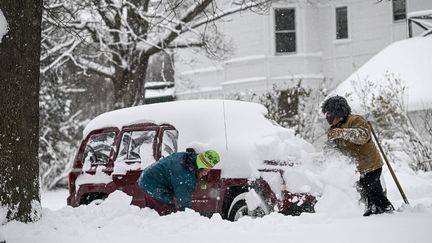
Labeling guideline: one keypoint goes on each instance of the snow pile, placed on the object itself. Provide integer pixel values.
(4, 28)
(337, 183)
(332, 180)
(337, 219)
(410, 60)
(253, 200)
(238, 130)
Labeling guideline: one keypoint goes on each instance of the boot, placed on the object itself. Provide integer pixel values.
(370, 209)
(389, 209)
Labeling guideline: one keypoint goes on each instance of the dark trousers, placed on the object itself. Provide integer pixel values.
(160, 207)
(372, 191)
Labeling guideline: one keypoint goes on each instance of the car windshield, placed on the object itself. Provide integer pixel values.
(98, 148)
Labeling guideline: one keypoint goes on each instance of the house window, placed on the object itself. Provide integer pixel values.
(341, 23)
(399, 10)
(285, 32)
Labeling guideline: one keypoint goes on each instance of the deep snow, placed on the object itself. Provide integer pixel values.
(338, 218)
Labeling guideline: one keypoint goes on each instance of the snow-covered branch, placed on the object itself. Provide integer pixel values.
(65, 54)
(96, 67)
(56, 49)
(190, 14)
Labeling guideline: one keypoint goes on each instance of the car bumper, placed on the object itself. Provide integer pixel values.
(296, 203)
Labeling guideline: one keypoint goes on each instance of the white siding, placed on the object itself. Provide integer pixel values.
(255, 65)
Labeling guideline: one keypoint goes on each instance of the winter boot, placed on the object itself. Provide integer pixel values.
(385, 209)
(370, 209)
(389, 209)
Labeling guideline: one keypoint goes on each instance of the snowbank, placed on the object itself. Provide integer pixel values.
(338, 218)
(410, 60)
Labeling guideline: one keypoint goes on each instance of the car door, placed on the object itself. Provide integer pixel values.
(207, 197)
(136, 151)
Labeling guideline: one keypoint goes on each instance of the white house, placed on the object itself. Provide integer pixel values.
(311, 40)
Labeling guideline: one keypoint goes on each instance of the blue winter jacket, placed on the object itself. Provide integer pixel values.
(171, 176)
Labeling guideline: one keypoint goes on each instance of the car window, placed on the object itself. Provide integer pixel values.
(169, 142)
(137, 146)
(98, 148)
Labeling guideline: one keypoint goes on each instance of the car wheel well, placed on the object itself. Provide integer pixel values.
(230, 194)
(87, 198)
(240, 209)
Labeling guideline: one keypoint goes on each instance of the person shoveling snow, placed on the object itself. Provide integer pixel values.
(352, 135)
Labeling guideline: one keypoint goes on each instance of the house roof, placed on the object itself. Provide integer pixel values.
(410, 60)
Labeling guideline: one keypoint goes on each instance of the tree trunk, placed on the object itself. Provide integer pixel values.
(129, 85)
(19, 118)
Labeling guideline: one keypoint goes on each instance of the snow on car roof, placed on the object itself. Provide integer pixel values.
(409, 59)
(238, 130)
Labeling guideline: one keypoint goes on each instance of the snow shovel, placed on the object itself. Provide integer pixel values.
(388, 165)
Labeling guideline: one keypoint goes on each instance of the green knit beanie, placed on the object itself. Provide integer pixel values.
(207, 159)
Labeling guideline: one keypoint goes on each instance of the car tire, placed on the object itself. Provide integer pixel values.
(240, 209)
(93, 198)
(97, 201)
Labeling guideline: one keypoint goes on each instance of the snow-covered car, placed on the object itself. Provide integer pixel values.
(249, 180)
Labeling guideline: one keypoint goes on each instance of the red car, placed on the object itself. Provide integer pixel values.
(112, 158)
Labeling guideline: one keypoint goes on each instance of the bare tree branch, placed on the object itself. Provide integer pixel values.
(190, 15)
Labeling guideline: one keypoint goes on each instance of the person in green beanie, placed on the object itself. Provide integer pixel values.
(168, 184)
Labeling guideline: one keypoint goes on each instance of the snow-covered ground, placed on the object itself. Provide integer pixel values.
(338, 218)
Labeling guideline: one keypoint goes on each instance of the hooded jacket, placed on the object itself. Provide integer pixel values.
(172, 176)
(357, 143)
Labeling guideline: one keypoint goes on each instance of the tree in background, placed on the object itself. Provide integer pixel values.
(19, 89)
(389, 114)
(60, 128)
(98, 54)
(115, 38)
